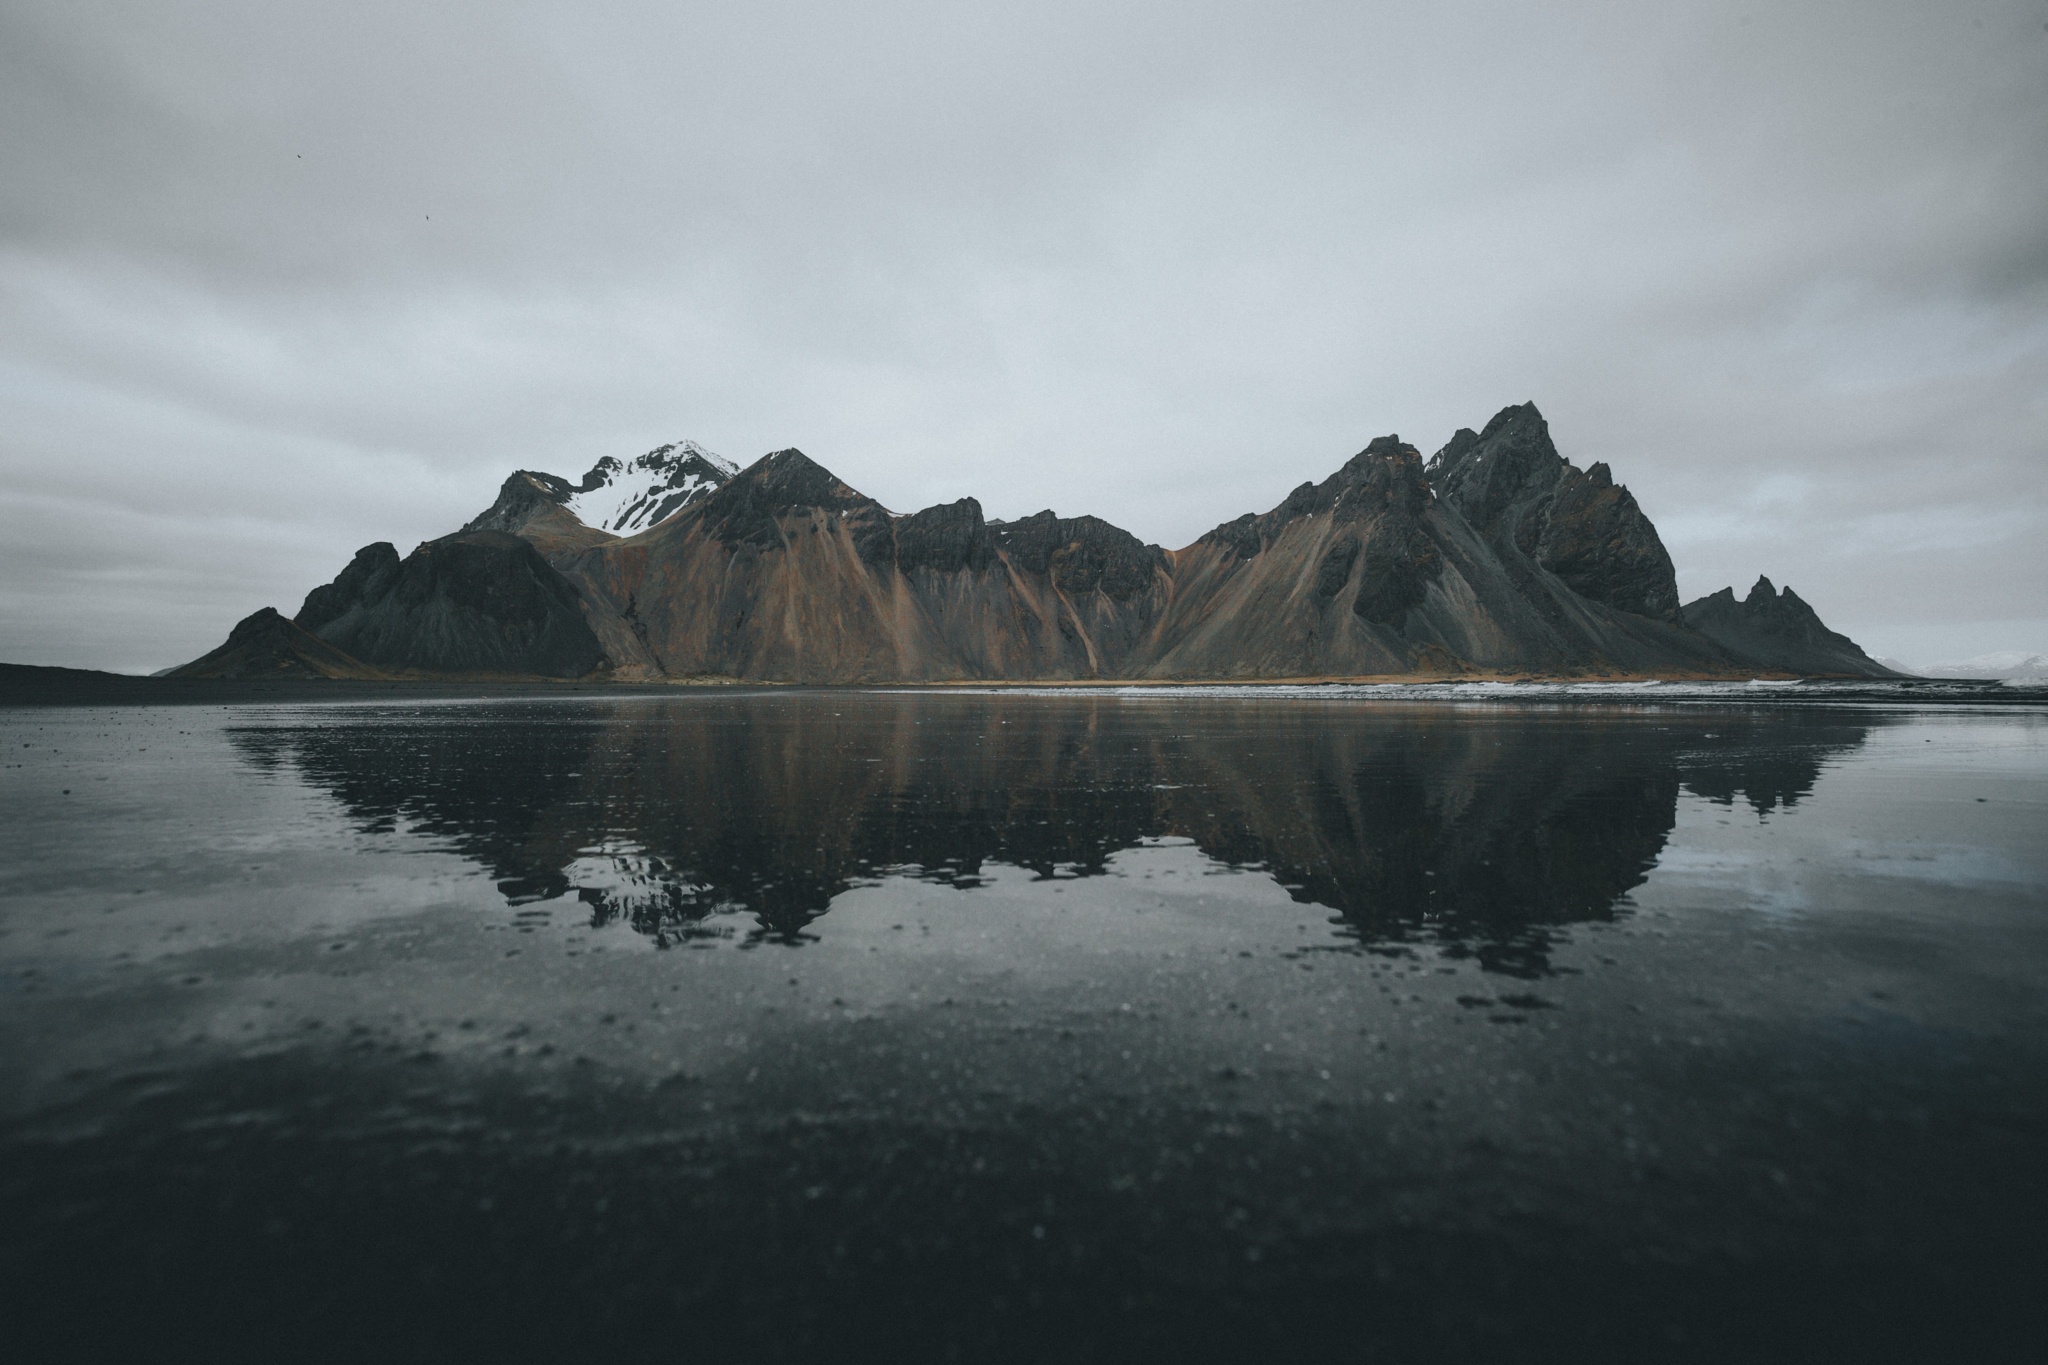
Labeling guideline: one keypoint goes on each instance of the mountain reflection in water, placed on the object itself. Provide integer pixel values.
(1480, 830)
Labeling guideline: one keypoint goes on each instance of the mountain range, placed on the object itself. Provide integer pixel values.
(2020, 667)
(1496, 556)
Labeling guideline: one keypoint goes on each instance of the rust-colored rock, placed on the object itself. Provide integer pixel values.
(1497, 555)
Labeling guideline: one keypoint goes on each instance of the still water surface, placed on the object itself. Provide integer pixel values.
(834, 1024)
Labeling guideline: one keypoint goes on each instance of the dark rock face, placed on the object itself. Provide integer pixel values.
(522, 495)
(368, 577)
(947, 538)
(1780, 631)
(750, 510)
(1240, 537)
(1336, 567)
(267, 645)
(1599, 542)
(535, 507)
(474, 602)
(1081, 554)
(1534, 507)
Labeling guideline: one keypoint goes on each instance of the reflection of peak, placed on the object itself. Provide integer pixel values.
(1773, 763)
(1484, 839)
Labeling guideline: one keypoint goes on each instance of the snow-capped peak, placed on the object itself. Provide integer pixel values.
(627, 497)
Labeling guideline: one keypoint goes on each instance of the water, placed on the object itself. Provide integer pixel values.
(833, 1025)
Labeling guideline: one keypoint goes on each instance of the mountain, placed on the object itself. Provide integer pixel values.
(2008, 665)
(267, 645)
(1780, 631)
(625, 499)
(613, 499)
(1495, 556)
(785, 572)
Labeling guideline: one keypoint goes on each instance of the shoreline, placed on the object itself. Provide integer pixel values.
(36, 685)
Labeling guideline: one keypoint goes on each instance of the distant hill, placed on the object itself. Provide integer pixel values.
(1496, 556)
(2012, 665)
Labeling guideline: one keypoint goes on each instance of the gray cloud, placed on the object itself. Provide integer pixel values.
(278, 280)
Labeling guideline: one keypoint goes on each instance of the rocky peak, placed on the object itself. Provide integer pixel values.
(628, 497)
(1385, 476)
(1080, 554)
(525, 494)
(1488, 475)
(1779, 629)
(266, 644)
(1511, 485)
(1387, 473)
(945, 538)
(620, 497)
(368, 576)
(747, 508)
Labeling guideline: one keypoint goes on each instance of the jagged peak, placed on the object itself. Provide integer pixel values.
(630, 496)
(793, 479)
(1760, 591)
(969, 506)
(256, 623)
(1516, 417)
(1380, 450)
(620, 497)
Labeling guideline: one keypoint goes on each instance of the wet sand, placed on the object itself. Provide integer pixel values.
(824, 1025)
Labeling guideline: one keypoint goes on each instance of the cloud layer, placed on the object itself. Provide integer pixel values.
(278, 280)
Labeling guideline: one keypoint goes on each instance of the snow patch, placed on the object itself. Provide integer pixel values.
(627, 497)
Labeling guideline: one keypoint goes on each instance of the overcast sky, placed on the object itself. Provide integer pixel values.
(278, 280)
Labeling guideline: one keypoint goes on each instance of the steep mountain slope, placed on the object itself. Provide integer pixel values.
(1497, 555)
(1781, 631)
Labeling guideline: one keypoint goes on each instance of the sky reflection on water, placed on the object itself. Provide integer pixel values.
(1026, 1027)
(1481, 831)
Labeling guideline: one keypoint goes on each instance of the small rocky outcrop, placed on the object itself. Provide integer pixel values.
(1778, 630)
(947, 538)
(1081, 554)
(266, 644)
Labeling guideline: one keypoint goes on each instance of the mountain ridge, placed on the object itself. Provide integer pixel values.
(1495, 556)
